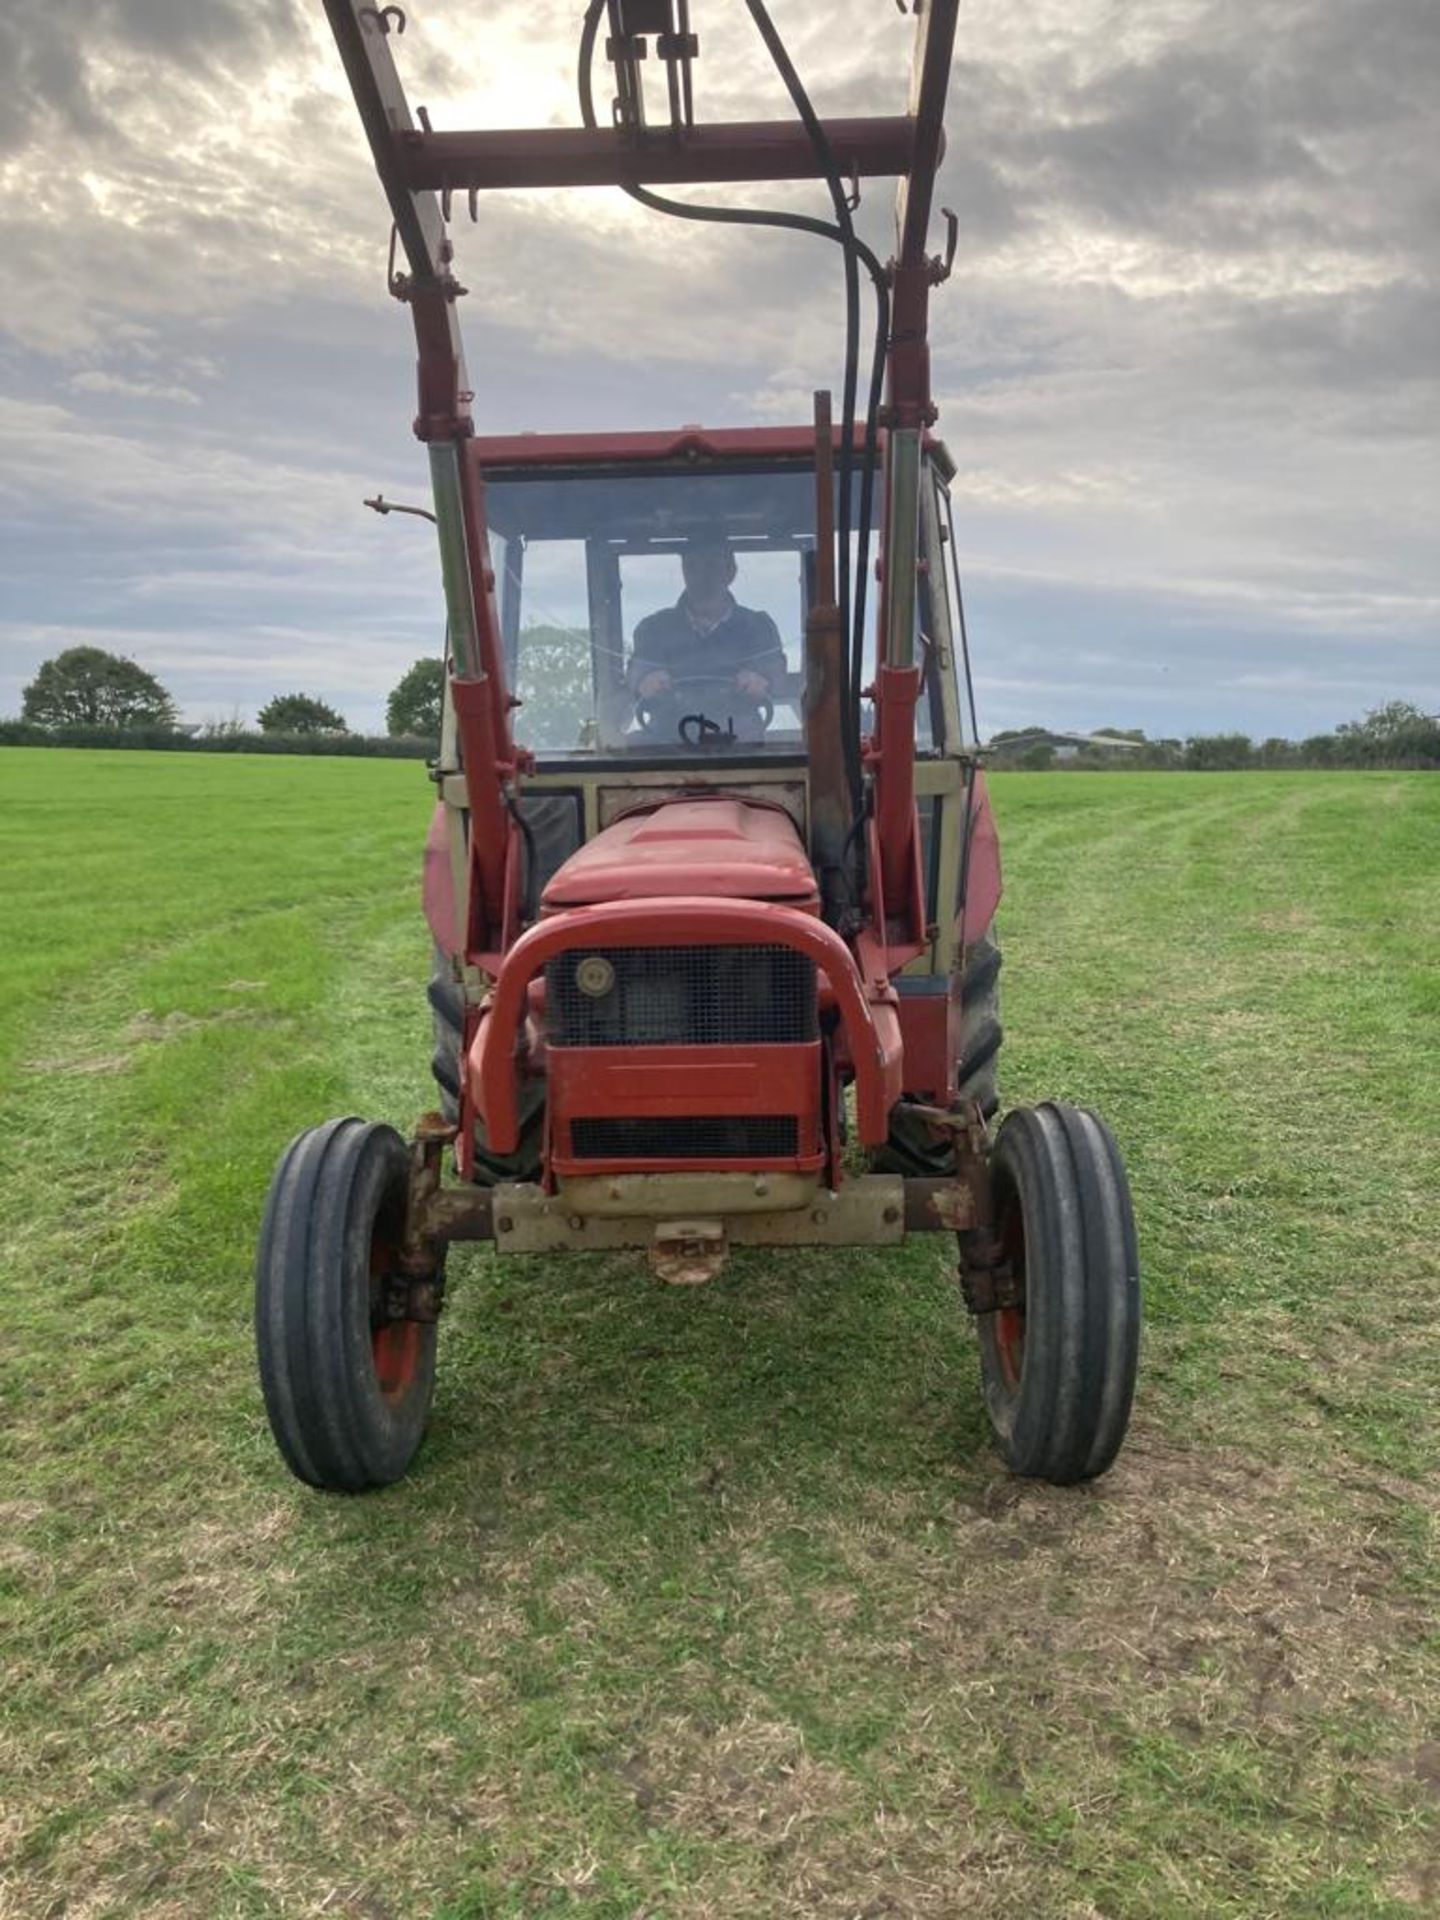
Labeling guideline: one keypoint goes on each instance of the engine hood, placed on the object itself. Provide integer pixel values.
(721, 848)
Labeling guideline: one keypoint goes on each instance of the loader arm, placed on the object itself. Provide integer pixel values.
(421, 170)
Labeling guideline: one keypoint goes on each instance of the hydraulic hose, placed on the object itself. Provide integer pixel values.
(854, 250)
(844, 235)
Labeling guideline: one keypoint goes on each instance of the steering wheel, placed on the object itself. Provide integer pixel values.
(703, 712)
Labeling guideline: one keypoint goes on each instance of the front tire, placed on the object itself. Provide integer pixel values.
(347, 1389)
(1058, 1369)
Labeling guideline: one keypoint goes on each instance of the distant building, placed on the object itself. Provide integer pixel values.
(1064, 746)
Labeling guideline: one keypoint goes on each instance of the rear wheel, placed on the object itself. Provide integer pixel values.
(347, 1388)
(916, 1148)
(447, 1015)
(980, 1029)
(1058, 1367)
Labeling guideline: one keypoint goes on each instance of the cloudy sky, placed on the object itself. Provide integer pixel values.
(1189, 362)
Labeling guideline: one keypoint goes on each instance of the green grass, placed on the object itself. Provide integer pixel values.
(705, 1603)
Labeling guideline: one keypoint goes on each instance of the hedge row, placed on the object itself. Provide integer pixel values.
(21, 733)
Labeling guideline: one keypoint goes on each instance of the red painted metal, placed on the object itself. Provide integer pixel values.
(910, 408)
(750, 150)
(897, 824)
(718, 847)
(1010, 1344)
(914, 271)
(437, 890)
(691, 442)
(487, 615)
(928, 1036)
(442, 385)
(873, 963)
(983, 883)
(492, 832)
(395, 1351)
(665, 1082)
(872, 1033)
(429, 288)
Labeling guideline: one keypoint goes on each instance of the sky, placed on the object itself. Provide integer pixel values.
(1188, 363)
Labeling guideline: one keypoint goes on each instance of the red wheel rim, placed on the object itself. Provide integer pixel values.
(1010, 1343)
(395, 1345)
(395, 1348)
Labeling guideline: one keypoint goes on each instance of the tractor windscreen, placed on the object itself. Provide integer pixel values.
(655, 611)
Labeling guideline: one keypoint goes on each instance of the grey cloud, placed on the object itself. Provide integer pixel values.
(133, 389)
(1383, 337)
(1312, 123)
(1145, 139)
(1186, 361)
(52, 51)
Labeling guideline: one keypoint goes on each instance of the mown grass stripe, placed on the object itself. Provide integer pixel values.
(718, 1603)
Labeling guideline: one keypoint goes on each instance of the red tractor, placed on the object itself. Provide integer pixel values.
(713, 876)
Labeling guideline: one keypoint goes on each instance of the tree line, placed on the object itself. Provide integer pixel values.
(87, 695)
(1398, 734)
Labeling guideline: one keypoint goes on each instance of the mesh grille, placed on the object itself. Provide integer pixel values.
(751, 1136)
(684, 996)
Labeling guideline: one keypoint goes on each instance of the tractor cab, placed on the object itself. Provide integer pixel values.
(588, 537)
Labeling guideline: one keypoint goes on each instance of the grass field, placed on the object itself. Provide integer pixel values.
(714, 1602)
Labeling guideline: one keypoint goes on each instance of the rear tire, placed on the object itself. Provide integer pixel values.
(347, 1389)
(980, 1029)
(1058, 1371)
(915, 1148)
(447, 1015)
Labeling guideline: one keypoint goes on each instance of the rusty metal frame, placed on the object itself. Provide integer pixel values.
(637, 1211)
(416, 163)
(739, 150)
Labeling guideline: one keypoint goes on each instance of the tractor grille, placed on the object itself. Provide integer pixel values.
(749, 1136)
(681, 997)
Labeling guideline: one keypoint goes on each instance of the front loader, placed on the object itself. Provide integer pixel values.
(715, 955)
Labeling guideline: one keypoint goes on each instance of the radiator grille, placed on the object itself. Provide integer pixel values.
(750, 1136)
(683, 996)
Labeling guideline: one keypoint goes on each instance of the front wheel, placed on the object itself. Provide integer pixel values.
(347, 1387)
(1058, 1366)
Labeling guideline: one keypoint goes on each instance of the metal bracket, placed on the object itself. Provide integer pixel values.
(404, 287)
(965, 1122)
(687, 1253)
(410, 1299)
(938, 266)
(434, 1216)
(987, 1280)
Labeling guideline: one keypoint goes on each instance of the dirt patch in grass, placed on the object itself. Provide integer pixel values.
(82, 1063)
(147, 1026)
(145, 1029)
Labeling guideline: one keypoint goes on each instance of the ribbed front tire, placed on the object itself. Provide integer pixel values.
(1058, 1370)
(347, 1389)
